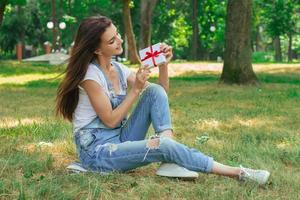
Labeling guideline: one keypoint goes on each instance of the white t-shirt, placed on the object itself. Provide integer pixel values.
(84, 112)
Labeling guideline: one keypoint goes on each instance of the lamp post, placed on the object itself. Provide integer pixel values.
(53, 24)
(56, 35)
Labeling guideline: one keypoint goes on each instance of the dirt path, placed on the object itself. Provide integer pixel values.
(176, 69)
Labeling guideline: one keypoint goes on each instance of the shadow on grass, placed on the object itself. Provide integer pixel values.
(280, 78)
(15, 68)
(44, 130)
(196, 76)
(43, 83)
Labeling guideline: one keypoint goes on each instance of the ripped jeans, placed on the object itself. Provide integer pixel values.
(125, 148)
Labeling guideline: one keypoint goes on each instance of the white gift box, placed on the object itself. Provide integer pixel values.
(152, 56)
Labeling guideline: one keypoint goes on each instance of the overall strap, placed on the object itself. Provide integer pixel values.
(109, 84)
(121, 76)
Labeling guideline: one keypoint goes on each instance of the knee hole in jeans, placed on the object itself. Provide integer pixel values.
(152, 143)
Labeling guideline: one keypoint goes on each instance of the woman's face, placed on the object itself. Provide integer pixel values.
(111, 42)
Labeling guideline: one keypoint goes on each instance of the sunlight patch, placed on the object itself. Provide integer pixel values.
(13, 122)
(277, 68)
(23, 79)
(62, 152)
(284, 145)
(217, 144)
(207, 123)
(255, 122)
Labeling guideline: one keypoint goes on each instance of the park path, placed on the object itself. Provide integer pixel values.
(176, 69)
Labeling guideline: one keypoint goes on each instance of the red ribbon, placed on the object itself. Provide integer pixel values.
(152, 55)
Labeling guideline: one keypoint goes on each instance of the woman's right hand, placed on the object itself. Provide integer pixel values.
(141, 78)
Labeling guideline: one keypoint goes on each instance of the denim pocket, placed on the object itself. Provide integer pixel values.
(86, 138)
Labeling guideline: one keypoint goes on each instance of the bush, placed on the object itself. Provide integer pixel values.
(262, 57)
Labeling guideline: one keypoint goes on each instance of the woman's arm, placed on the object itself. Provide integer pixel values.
(101, 103)
(163, 77)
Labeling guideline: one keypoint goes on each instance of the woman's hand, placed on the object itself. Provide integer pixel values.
(141, 78)
(167, 51)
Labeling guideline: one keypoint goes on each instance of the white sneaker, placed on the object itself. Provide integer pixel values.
(174, 170)
(259, 176)
(76, 168)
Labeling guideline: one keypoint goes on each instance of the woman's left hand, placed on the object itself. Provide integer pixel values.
(167, 51)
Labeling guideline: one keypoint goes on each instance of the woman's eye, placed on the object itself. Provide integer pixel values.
(112, 42)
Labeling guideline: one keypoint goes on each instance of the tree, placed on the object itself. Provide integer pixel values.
(279, 20)
(208, 28)
(172, 25)
(237, 66)
(132, 52)
(293, 9)
(13, 28)
(3, 4)
(195, 36)
(147, 7)
(257, 19)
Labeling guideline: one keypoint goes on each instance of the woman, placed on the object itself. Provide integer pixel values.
(93, 95)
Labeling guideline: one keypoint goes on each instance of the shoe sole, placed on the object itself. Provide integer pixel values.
(172, 176)
(186, 178)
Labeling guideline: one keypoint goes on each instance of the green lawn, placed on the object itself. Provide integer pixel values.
(257, 127)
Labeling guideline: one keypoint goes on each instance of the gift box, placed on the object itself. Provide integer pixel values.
(152, 56)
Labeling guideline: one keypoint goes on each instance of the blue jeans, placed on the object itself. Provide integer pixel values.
(125, 148)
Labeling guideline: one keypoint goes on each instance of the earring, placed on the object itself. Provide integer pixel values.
(98, 52)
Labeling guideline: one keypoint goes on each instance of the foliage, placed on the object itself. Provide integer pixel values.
(176, 29)
(25, 21)
(278, 16)
(212, 25)
(262, 57)
(13, 29)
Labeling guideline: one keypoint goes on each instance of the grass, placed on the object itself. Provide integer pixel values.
(253, 126)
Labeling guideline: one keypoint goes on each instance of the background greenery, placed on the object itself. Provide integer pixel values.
(25, 21)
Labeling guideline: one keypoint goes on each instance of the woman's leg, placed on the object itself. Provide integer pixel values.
(129, 155)
(153, 107)
(225, 170)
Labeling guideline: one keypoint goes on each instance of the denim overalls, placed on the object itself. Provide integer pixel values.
(115, 99)
(124, 148)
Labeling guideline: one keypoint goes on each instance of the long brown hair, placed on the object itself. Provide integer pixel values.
(87, 40)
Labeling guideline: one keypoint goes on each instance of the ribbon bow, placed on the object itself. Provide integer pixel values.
(152, 55)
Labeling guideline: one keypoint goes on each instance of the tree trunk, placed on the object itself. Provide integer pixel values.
(54, 29)
(69, 7)
(277, 47)
(290, 55)
(195, 36)
(2, 9)
(258, 40)
(237, 66)
(147, 7)
(132, 52)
